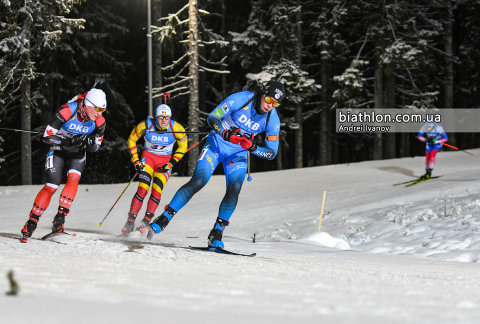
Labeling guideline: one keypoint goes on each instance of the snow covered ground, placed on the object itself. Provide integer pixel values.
(393, 254)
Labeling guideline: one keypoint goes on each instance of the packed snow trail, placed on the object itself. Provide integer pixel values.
(99, 278)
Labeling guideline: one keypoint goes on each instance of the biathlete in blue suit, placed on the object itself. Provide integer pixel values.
(234, 126)
(434, 135)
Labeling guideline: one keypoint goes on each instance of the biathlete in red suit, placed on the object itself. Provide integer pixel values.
(77, 127)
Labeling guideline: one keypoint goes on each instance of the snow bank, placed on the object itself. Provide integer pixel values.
(327, 240)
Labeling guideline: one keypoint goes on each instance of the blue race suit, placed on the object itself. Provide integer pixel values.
(230, 113)
(437, 133)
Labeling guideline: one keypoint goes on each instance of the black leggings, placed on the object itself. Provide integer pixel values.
(56, 161)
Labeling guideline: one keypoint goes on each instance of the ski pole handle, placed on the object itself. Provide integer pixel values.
(288, 68)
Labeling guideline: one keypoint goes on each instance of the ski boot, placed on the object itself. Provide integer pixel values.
(129, 225)
(427, 175)
(29, 227)
(215, 237)
(144, 223)
(160, 222)
(59, 220)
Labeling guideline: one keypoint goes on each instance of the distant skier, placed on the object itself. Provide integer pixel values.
(77, 127)
(434, 135)
(156, 162)
(234, 126)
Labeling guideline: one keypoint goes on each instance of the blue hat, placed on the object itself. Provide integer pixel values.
(429, 124)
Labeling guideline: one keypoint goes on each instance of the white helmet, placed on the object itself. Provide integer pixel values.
(97, 98)
(163, 110)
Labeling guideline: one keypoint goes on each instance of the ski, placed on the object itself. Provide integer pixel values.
(421, 180)
(217, 250)
(406, 182)
(52, 233)
(136, 233)
(415, 180)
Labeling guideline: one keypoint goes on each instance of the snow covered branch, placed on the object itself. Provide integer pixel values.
(170, 85)
(202, 68)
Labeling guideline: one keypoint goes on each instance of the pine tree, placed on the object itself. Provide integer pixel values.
(171, 35)
(96, 51)
(326, 49)
(270, 43)
(29, 28)
(397, 37)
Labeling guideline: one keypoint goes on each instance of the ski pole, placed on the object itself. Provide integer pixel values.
(197, 142)
(186, 132)
(97, 81)
(456, 148)
(248, 166)
(21, 130)
(100, 224)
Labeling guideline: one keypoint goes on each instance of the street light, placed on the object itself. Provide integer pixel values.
(149, 42)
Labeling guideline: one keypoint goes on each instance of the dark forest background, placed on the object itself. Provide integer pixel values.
(368, 54)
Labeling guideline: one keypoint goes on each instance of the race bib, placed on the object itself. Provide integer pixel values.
(49, 161)
(202, 155)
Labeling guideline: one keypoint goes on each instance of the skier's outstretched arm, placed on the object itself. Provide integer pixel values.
(50, 135)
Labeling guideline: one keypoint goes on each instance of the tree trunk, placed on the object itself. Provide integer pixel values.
(193, 84)
(157, 53)
(378, 99)
(202, 82)
(278, 158)
(323, 140)
(299, 108)
(389, 147)
(448, 88)
(26, 138)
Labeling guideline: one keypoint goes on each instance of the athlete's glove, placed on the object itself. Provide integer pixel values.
(89, 141)
(167, 167)
(232, 135)
(82, 141)
(77, 140)
(434, 141)
(248, 142)
(138, 166)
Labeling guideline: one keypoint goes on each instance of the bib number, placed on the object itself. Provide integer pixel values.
(202, 155)
(49, 161)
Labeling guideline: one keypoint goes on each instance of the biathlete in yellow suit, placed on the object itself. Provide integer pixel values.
(156, 161)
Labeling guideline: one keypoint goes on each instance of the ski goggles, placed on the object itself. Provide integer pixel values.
(272, 101)
(97, 109)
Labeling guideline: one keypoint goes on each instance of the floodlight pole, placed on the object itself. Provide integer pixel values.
(149, 41)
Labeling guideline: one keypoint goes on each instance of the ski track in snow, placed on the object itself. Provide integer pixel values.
(386, 253)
